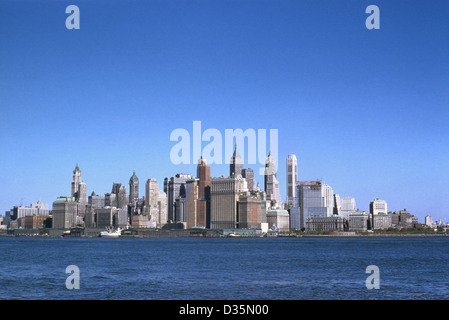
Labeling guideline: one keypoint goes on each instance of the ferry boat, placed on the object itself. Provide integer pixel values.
(110, 233)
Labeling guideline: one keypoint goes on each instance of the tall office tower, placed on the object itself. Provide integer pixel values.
(378, 206)
(204, 185)
(236, 164)
(337, 204)
(151, 193)
(174, 187)
(180, 209)
(122, 198)
(250, 210)
(65, 213)
(82, 193)
(76, 180)
(151, 199)
(248, 174)
(348, 205)
(155, 203)
(191, 204)
(224, 197)
(272, 183)
(162, 204)
(79, 188)
(292, 178)
(315, 199)
(133, 188)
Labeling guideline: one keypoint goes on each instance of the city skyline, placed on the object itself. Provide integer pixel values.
(340, 206)
(363, 110)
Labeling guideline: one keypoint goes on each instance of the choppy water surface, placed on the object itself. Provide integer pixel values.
(224, 268)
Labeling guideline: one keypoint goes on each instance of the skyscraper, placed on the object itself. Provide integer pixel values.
(272, 183)
(162, 204)
(174, 188)
(82, 193)
(79, 188)
(65, 213)
(121, 197)
(292, 177)
(204, 186)
(251, 210)
(76, 180)
(236, 164)
(314, 199)
(225, 194)
(155, 203)
(337, 204)
(151, 194)
(133, 188)
(191, 203)
(248, 174)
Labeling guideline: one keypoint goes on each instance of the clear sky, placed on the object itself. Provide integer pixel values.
(365, 110)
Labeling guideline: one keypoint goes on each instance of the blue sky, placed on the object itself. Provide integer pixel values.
(364, 110)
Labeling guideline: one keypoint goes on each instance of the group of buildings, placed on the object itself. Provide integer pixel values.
(233, 202)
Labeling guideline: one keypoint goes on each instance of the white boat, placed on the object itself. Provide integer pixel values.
(110, 233)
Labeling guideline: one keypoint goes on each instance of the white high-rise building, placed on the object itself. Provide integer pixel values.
(292, 177)
(314, 199)
(155, 203)
(378, 206)
(428, 221)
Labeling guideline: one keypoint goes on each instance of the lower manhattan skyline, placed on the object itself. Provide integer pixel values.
(363, 110)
